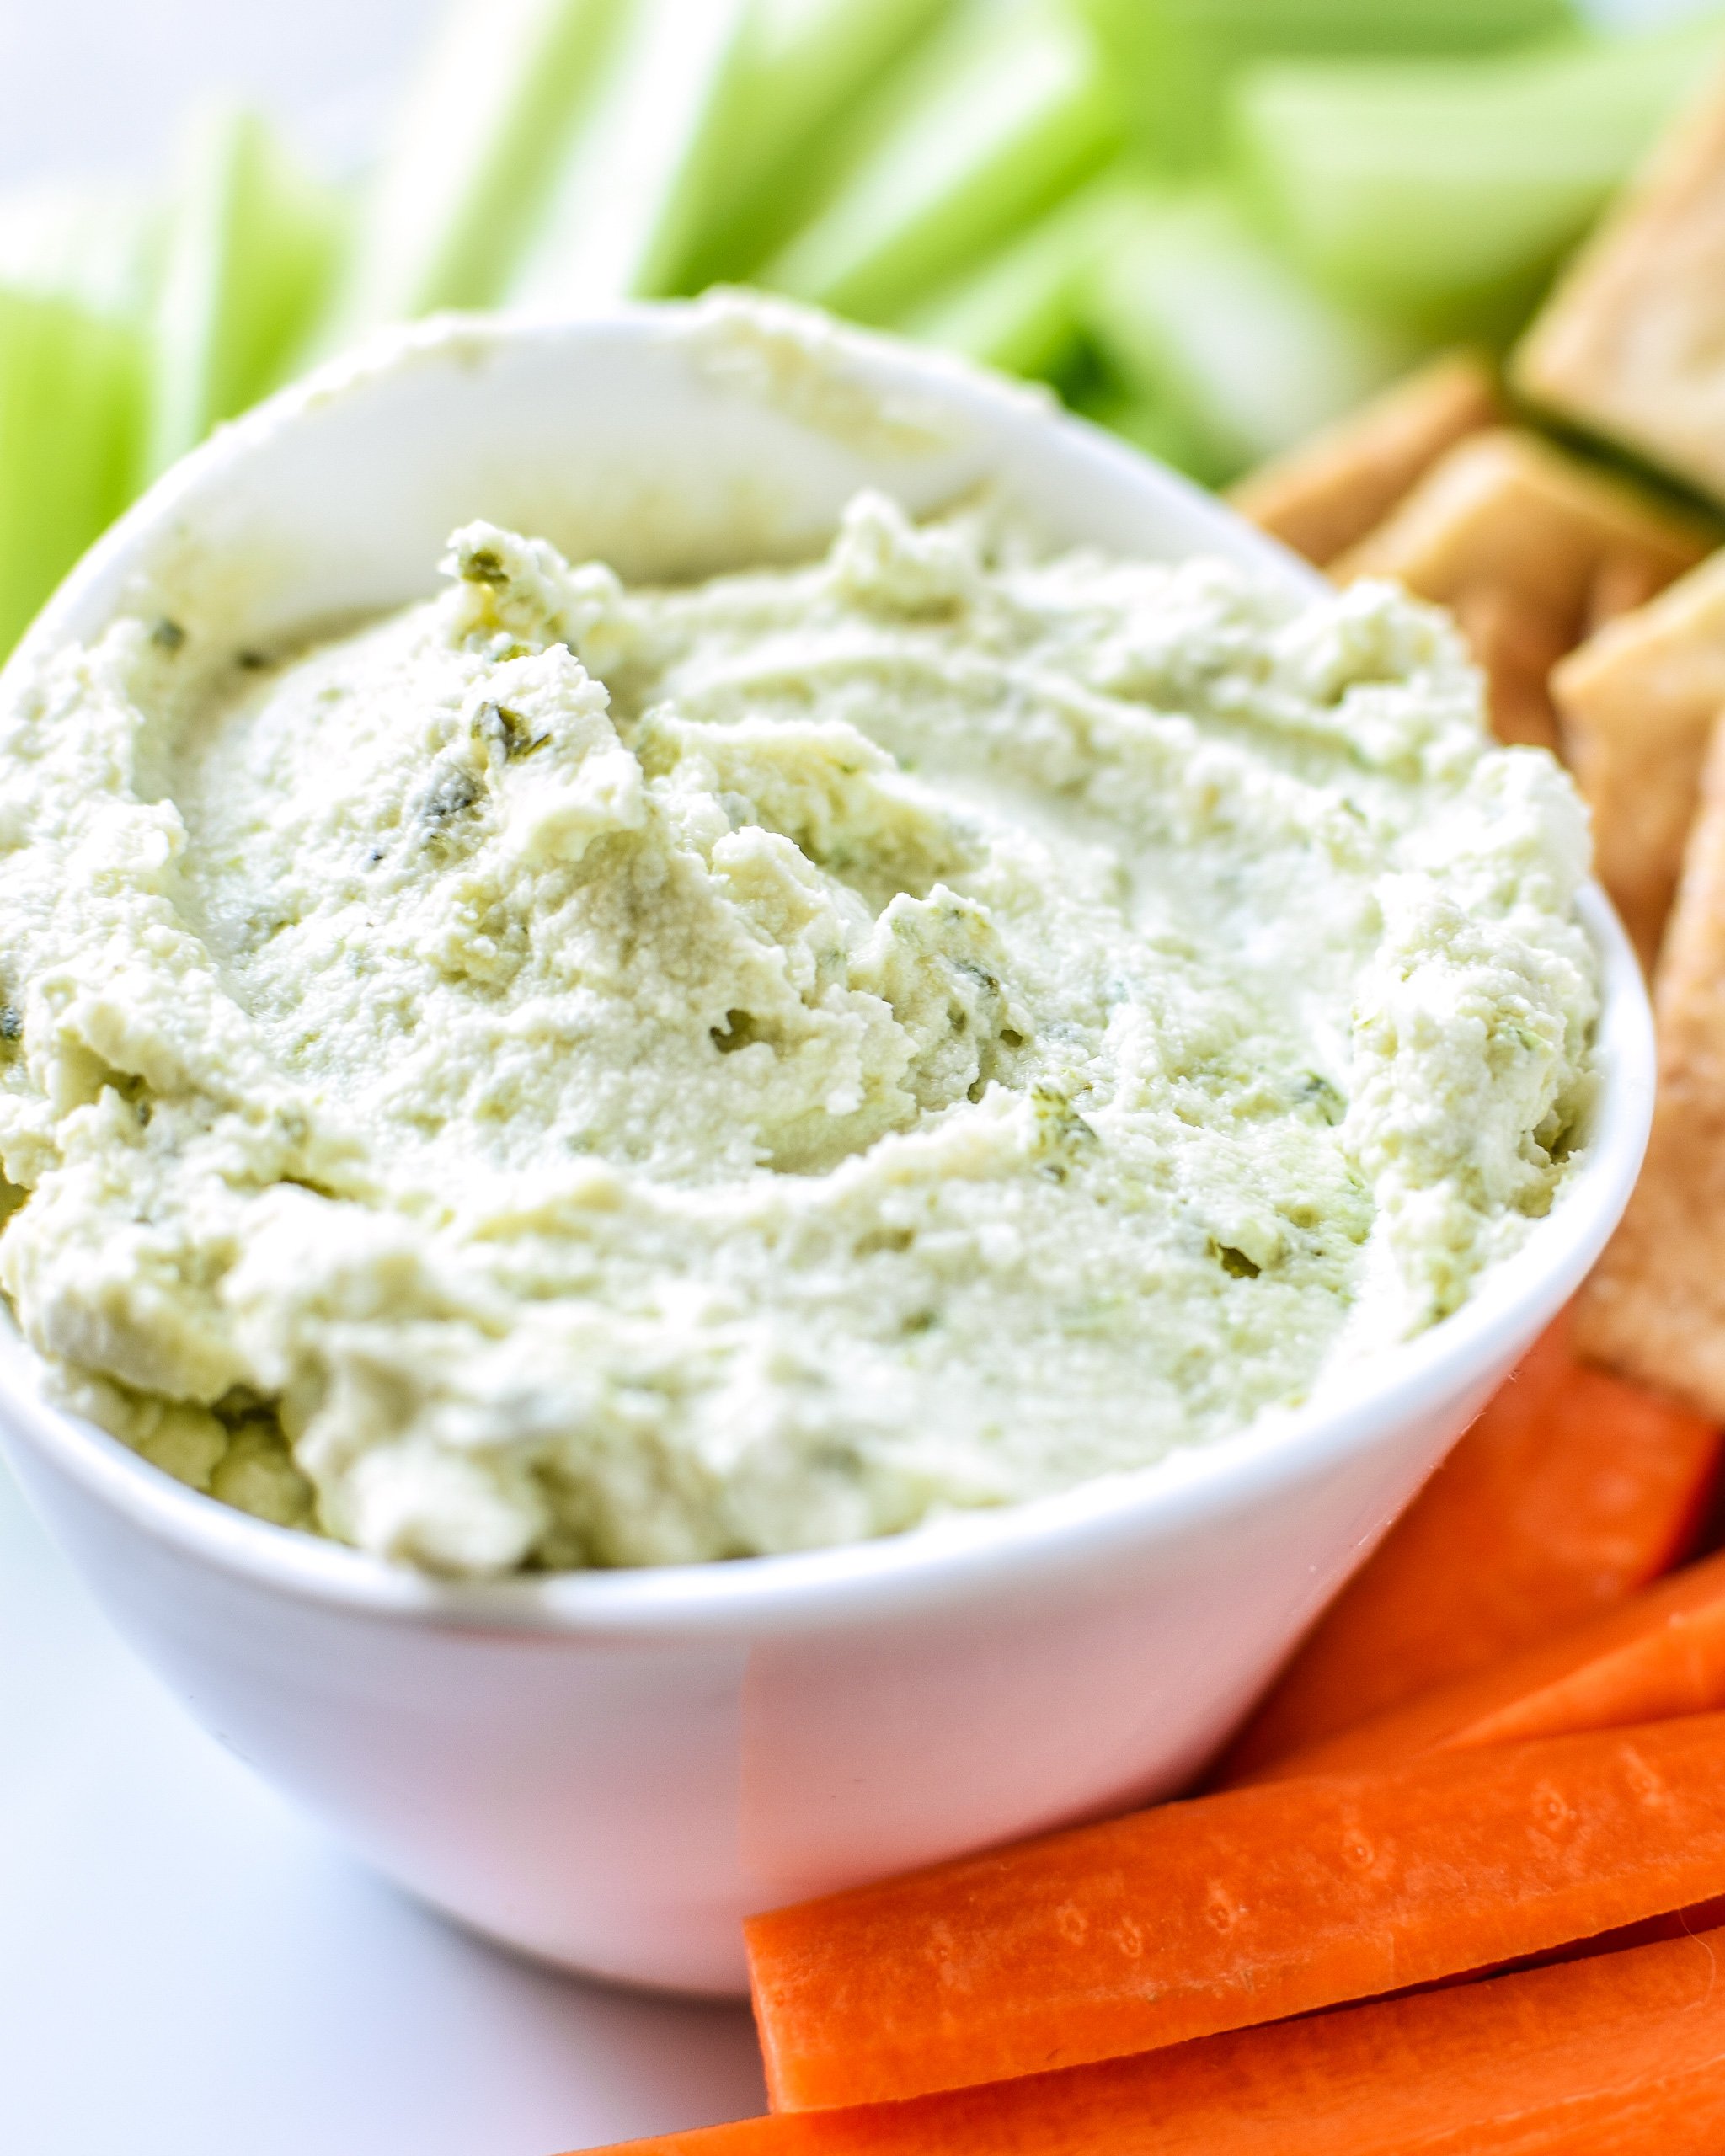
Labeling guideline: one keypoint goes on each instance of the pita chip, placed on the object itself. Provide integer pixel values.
(1631, 344)
(1654, 1309)
(1327, 493)
(1526, 545)
(1637, 702)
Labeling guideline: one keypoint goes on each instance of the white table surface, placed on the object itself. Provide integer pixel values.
(189, 1969)
(186, 1967)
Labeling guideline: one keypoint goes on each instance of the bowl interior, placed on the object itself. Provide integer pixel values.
(674, 441)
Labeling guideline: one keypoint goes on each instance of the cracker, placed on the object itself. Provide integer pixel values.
(1631, 343)
(1526, 544)
(1637, 702)
(1327, 493)
(1515, 647)
(1654, 1309)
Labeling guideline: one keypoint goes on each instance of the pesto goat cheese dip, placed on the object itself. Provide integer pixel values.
(573, 1075)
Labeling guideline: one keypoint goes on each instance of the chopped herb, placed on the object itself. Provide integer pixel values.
(11, 1022)
(485, 565)
(516, 733)
(885, 1239)
(1318, 1092)
(308, 1182)
(1061, 1133)
(453, 792)
(921, 1322)
(1235, 1262)
(166, 635)
(739, 1030)
(254, 662)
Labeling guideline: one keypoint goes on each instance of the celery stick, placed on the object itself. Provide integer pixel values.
(249, 250)
(627, 203)
(806, 64)
(1002, 117)
(1426, 188)
(1176, 58)
(1019, 309)
(472, 157)
(69, 395)
(73, 276)
(1206, 324)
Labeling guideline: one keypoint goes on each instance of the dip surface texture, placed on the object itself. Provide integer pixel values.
(575, 1075)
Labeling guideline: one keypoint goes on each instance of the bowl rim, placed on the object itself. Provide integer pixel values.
(943, 1560)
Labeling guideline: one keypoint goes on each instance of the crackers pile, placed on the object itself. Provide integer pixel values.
(1533, 549)
(1596, 611)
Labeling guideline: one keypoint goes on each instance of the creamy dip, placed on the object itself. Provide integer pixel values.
(570, 1075)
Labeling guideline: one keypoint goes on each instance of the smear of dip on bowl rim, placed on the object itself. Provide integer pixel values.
(570, 1074)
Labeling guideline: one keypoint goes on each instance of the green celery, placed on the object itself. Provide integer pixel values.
(74, 271)
(249, 254)
(1230, 350)
(472, 157)
(1002, 116)
(1177, 57)
(1431, 190)
(806, 64)
(1019, 309)
(627, 205)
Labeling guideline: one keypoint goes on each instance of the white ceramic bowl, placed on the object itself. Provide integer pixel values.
(609, 1770)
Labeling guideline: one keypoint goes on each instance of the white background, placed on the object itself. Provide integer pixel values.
(187, 1969)
(102, 85)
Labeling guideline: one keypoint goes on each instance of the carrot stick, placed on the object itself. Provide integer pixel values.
(1689, 1923)
(1660, 1653)
(1621, 2052)
(1233, 1909)
(1570, 1491)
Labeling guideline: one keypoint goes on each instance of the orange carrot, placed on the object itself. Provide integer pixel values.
(1624, 2053)
(1675, 1923)
(1660, 1653)
(1233, 1909)
(1570, 1491)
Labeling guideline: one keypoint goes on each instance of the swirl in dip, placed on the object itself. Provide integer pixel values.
(570, 1075)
